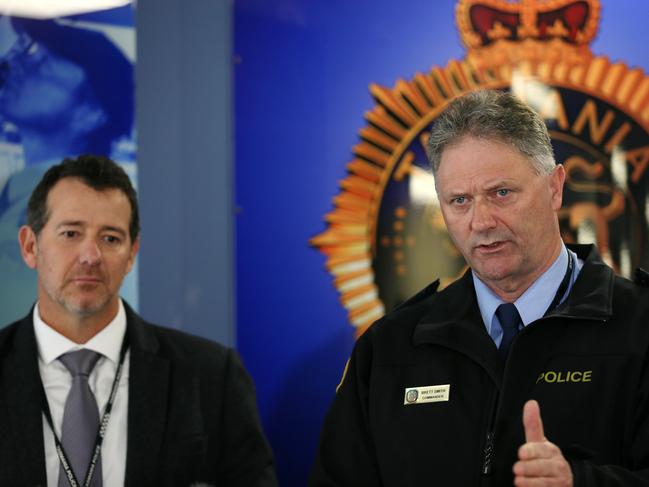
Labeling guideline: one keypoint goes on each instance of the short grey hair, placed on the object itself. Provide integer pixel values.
(493, 115)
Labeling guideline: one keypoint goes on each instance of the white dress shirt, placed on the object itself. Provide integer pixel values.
(57, 382)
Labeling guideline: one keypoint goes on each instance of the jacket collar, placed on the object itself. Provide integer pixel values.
(147, 403)
(22, 394)
(591, 296)
(455, 321)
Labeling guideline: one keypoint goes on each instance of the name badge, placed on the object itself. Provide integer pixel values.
(424, 394)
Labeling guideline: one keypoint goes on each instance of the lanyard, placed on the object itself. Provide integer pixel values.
(563, 287)
(101, 432)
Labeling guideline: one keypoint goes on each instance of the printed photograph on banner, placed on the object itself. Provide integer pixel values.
(66, 88)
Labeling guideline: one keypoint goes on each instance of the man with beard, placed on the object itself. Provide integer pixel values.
(531, 369)
(90, 391)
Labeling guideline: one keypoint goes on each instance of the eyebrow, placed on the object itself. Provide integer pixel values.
(496, 185)
(492, 186)
(79, 223)
(500, 183)
(454, 194)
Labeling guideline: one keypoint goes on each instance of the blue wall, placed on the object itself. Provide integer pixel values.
(301, 88)
(184, 121)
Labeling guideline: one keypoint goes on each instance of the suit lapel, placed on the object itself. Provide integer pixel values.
(22, 393)
(147, 404)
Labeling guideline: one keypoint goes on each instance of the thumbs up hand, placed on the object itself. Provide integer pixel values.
(540, 462)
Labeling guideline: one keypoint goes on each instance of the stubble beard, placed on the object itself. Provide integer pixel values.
(80, 306)
(85, 307)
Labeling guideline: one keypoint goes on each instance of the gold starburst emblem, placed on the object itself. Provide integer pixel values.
(385, 237)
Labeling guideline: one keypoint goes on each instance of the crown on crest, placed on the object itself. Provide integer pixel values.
(559, 26)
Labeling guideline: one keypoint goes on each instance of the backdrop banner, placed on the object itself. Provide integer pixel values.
(66, 88)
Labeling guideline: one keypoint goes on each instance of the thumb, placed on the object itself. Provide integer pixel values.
(532, 422)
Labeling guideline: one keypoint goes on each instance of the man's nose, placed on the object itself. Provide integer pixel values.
(89, 253)
(482, 218)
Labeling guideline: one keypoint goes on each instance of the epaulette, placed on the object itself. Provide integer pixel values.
(421, 295)
(641, 277)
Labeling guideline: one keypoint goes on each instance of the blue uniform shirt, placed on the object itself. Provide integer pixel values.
(534, 302)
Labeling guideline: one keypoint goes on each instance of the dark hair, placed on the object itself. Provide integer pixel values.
(98, 172)
(109, 73)
(496, 115)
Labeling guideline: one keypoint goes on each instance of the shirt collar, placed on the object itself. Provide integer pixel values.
(533, 303)
(108, 342)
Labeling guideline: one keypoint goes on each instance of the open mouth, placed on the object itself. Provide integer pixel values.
(492, 247)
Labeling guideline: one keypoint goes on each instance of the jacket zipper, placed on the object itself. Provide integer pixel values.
(488, 451)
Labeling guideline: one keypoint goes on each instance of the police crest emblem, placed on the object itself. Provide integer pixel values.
(411, 396)
(385, 238)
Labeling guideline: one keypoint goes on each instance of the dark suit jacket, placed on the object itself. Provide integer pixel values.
(192, 415)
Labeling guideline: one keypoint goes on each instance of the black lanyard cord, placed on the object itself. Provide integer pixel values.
(101, 432)
(563, 287)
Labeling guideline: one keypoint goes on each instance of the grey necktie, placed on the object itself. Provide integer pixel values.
(80, 418)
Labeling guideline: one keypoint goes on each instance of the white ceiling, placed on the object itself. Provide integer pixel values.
(43, 9)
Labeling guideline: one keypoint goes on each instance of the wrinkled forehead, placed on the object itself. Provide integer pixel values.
(469, 139)
(483, 160)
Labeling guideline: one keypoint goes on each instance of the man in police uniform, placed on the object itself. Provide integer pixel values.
(176, 410)
(531, 369)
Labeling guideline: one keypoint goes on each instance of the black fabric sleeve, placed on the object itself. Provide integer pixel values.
(247, 460)
(346, 455)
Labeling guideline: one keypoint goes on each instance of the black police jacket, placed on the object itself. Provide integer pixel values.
(586, 363)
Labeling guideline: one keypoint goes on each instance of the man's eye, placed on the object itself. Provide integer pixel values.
(460, 200)
(112, 239)
(69, 233)
(502, 192)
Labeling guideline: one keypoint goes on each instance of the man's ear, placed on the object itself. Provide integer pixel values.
(134, 250)
(557, 180)
(28, 245)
